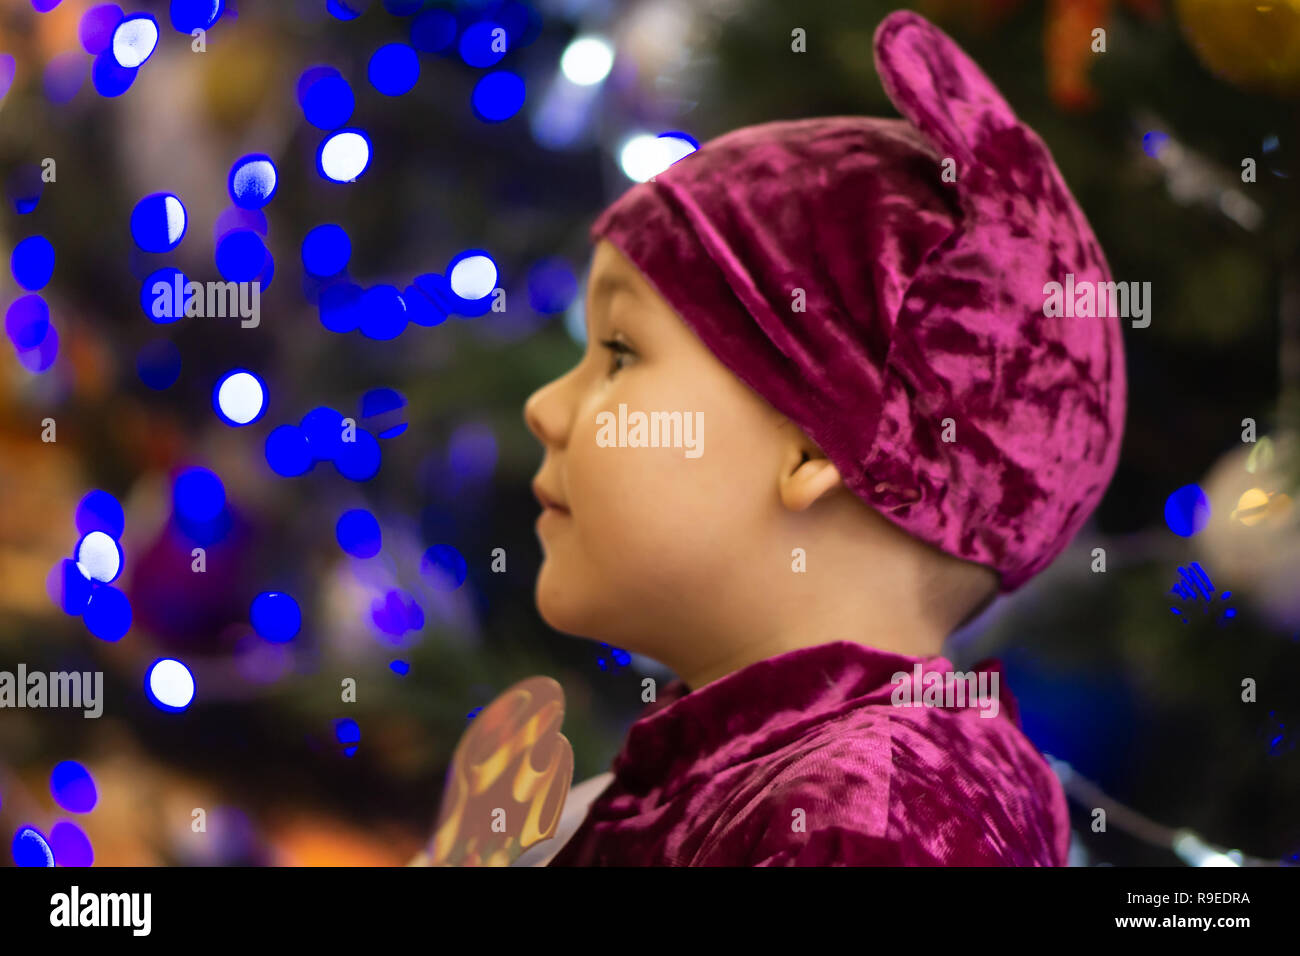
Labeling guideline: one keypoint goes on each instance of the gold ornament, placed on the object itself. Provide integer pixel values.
(1252, 44)
(1251, 544)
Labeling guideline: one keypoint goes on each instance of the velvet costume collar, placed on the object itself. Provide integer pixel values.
(688, 734)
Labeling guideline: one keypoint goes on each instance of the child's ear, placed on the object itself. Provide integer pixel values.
(808, 478)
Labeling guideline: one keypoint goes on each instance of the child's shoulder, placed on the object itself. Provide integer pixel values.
(877, 786)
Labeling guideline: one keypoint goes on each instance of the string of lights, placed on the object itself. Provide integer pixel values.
(1188, 845)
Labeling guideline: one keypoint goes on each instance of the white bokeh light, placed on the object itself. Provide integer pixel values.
(99, 557)
(644, 156)
(473, 277)
(587, 60)
(171, 683)
(175, 213)
(241, 397)
(345, 156)
(255, 180)
(675, 147)
(134, 41)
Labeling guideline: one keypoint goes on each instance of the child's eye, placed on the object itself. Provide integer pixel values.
(618, 352)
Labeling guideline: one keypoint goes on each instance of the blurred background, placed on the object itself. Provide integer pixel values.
(484, 138)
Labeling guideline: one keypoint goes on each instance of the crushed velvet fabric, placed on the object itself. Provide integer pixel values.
(715, 776)
(923, 301)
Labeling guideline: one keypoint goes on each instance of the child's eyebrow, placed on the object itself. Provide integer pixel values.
(608, 284)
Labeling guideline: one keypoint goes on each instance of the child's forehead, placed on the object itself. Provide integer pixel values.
(613, 275)
(611, 271)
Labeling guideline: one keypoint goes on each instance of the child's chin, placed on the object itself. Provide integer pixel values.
(556, 602)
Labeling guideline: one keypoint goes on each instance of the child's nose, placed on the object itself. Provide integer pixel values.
(548, 412)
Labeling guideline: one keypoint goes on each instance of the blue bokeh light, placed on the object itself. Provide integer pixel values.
(287, 451)
(158, 363)
(241, 256)
(233, 218)
(39, 359)
(400, 668)
(346, 9)
(8, 68)
(383, 411)
(437, 290)
(394, 69)
(108, 613)
(109, 77)
(484, 43)
(268, 272)
(323, 428)
(498, 96)
(327, 100)
(326, 250)
(27, 321)
(198, 495)
(420, 308)
(165, 305)
(70, 845)
(433, 31)
(522, 21)
(73, 787)
(359, 460)
(1154, 142)
(1187, 510)
(358, 533)
(100, 511)
(308, 77)
(552, 286)
(347, 732)
(472, 453)
(25, 187)
(253, 181)
(275, 616)
(97, 25)
(64, 76)
(383, 313)
(30, 848)
(190, 15)
(444, 567)
(69, 588)
(396, 614)
(340, 307)
(158, 222)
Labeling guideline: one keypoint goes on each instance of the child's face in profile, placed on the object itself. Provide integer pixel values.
(650, 546)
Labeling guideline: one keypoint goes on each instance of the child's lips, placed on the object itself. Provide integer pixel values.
(548, 502)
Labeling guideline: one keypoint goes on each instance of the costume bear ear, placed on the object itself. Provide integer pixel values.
(941, 91)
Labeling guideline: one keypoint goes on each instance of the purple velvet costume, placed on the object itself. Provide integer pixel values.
(718, 776)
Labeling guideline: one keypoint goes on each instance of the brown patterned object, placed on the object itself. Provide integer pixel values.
(508, 780)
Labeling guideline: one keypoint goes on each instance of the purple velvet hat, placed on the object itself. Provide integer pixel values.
(896, 317)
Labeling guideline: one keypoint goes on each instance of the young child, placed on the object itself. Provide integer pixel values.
(880, 430)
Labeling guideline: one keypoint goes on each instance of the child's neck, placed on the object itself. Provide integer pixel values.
(696, 675)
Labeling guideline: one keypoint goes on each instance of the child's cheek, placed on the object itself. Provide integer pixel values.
(653, 518)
